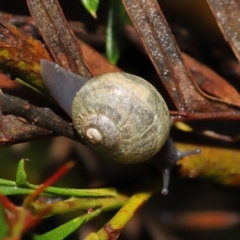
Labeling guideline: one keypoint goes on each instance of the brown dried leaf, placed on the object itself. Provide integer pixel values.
(227, 15)
(97, 63)
(20, 55)
(57, 35)
(155, 34)
(211, 82)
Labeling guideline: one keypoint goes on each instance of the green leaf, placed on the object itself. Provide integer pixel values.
(13, 190)
(21, 176)
(113, 32)
(5, 182)
(3, 224)
(91, 6)
(28, 86)
(117, 18)
(66, 229)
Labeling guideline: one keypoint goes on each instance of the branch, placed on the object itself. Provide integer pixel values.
(50, 123)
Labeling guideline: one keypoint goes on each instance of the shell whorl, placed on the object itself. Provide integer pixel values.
(98, 129)
(122, 117)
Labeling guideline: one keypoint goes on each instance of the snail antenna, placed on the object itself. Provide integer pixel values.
(166, 178)
(169, 156)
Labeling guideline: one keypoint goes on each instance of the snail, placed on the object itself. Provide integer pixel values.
(120, 116)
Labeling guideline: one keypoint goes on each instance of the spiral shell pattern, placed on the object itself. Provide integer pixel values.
(122, 117)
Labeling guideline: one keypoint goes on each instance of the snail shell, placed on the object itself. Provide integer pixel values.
(122, 117)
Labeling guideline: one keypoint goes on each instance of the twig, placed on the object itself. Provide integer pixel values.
(43, 117)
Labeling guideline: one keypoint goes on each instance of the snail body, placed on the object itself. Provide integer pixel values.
(119, 115)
